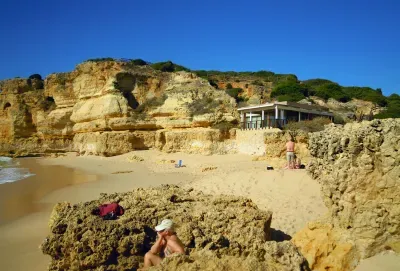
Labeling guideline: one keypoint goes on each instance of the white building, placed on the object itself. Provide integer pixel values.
(278, 114)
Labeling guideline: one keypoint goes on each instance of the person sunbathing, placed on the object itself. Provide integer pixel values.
(297, 162)
(167, 244)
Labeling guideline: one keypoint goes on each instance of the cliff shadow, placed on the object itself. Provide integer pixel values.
(279, 236)
(126, 82)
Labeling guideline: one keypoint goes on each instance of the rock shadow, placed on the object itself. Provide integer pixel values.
(126, 82)
(279, 236)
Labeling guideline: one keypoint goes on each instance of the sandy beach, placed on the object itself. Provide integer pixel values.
(292, 195)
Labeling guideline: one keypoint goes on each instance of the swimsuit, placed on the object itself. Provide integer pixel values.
(290, 156)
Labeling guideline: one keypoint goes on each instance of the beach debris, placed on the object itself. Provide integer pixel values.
(135, 158)
(122, 172)
(235, 231)
(164, 161)
(179, 164)
(208, 168)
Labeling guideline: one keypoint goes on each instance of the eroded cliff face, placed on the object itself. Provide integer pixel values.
(107, 108)
(235, 235)
(358, 167)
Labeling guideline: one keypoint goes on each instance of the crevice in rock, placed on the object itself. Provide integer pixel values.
(7, 105)
(49, 104)
(125, 82)
(279, 236)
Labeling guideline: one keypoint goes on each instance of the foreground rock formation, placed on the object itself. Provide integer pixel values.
(358, 167)
(227, 232)
(109, 108)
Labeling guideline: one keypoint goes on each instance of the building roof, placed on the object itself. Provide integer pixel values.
(306, 108)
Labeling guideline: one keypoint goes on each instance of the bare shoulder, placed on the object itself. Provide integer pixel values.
(176, 244)
(175, 239)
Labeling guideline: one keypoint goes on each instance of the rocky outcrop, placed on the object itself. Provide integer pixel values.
(112, 103)
(351, 110)
(223, 231)
(358, 167)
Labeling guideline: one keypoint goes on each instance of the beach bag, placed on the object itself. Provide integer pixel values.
(109, 211)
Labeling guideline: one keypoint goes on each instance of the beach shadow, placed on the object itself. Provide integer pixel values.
(279, 236)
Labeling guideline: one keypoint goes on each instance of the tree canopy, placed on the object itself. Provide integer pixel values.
(393, 108)
(168, 66)
(289, 91)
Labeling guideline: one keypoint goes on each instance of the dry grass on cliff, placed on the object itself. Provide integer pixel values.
(309, 126)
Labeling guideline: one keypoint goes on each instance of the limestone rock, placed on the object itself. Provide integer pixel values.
(272, 256)
(108, 98)
(112, 143)
(196, 140)
(216, 231)
(326, 248)
(358, 167)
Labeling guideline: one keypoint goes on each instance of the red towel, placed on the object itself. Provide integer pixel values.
(112, 207)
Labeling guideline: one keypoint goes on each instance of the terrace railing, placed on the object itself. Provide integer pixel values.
(268, 123)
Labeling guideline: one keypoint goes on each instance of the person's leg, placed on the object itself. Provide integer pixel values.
(151, 259)
(294, 161)
(288, 160)
(291, 159)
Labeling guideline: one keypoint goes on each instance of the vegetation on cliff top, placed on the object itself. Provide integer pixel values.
(285, 87)
(393, 108)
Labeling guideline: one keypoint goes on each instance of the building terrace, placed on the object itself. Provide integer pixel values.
(278, 114)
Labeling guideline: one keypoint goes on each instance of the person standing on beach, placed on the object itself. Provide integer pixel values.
(290, 153)
(167, 244)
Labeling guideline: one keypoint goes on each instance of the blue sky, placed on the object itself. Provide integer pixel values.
(350, 42)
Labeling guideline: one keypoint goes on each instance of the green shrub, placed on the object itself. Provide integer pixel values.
(331, 90)
(338, 119)
(138, 62)
(201, 73)
(35, 76)
(229, 86)
(313, 83)
(367, 94)
(393, 108)
(168, 66)
(234, 93)
(35, 81)
(213, 83)
(309, 126)
(295, 97)
(264, 74)
(289, 91)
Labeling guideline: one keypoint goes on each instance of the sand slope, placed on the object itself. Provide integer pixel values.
(292, 195)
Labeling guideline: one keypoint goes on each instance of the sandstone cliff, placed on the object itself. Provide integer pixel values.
(108, 108)
(227, 232)
(358, 167)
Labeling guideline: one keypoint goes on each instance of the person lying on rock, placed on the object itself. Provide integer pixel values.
(167, 244)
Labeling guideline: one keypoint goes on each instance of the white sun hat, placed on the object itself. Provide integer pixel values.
(164, 225)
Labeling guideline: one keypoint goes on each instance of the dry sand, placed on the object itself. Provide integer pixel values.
(292, 195)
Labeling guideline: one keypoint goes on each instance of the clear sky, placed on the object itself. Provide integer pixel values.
(352, 42)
